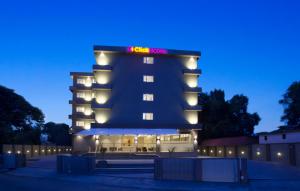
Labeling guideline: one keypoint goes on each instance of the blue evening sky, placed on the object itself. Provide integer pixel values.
(248, 47)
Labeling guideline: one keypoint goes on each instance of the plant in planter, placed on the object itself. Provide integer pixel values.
(171, 151)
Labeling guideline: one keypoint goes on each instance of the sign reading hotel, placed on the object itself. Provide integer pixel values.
(145, 50)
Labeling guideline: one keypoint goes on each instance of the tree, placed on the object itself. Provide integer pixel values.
(58, 133)
(20, 122)
(221, 118)
(291, 105)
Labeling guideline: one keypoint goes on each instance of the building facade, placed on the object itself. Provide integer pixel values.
(136, 99)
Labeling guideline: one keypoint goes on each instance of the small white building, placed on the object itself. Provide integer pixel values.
(284, 136)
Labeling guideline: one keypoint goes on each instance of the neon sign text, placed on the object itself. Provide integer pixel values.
(145, 50)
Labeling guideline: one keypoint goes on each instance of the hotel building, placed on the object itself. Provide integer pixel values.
(136, 99)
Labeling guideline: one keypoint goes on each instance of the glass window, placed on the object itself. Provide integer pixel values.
(148, 78)
(79, 109)
(147, 116)
(148, 97)
(80, 123)
(80, 81)
(80, 95)
(148, 60)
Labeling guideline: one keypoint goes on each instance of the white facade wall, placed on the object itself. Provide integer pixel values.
(292, 137)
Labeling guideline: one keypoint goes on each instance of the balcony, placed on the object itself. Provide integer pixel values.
(192, 72)
(79, 87)
(102, 67)
(188, 107)
(192, 90)
(95, 105)
(79, 101)
(79, 115)
(101, 86)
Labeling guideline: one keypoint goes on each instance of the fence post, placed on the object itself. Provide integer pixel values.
(292, 154)
(268, 152)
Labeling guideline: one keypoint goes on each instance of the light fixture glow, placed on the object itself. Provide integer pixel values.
(191, 63)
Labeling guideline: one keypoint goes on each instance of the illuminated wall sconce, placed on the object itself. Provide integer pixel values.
(35, 151)
(211, 151)
(158, 140)
(191, 63)
(195, 140)
(198, 150)
(43, 151)
(135, 140)
(220, 151)
(18, 152)
(279, 154)
(204, 150)
(102, 59)
(78, 137)
(242, 152)
(27, 151)
(88, 82)
(230, 152)
(9, 152)
(54, 150)
(258, 153)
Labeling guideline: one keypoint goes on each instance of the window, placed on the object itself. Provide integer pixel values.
(283, 136)
(148, 78)
(80, 95)
(266, 138)
(80, 81)
(148, 97)
(80, 123)
(147, 116)
(148, 60)
(79, 109)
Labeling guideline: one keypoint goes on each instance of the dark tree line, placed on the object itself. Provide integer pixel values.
(22, 123)
(225, 118)
(291, 105)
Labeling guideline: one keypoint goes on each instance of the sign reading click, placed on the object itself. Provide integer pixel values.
(145, 50)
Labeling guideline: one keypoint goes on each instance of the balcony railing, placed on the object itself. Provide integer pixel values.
(188, 107)
(193, 90)
(101, 86)
(80, 115)
(193, 72)
(79, 101)
(102, 68)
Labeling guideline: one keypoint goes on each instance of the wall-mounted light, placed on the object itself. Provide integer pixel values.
(220, 151)
(191, 63)
(102, 59)
(279, 154)
(242, 152)
(211, 151)
(135, 140)
(230, 152)
(9, 152)
(158, 140)
(204, 150)
(18, 152)
(258, 153)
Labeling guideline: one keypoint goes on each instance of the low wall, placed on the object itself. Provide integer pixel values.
(35, 150)
(198, 169)
(288, 154)
(75, 164)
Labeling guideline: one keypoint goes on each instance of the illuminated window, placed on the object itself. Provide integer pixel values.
(148, 78)
(79, 109)
(80, 81)
(148, 60)
(147, 116)
(80, 123)
(148, 97)
(80, 95)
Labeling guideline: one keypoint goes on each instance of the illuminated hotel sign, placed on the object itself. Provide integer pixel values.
(145, 50)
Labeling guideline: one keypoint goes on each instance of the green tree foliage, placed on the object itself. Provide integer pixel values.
(291, 104)
(221, 118)
(58, 133)
(20, 122)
